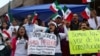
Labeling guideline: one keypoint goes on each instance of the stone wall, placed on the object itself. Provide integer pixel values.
(16, 3)
(32, 2)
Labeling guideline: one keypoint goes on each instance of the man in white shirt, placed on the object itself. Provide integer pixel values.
(94, 21)
(34, 27)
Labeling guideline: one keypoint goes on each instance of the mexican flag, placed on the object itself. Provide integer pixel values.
(6, 33)
(35, 17)
(54, 6)
(8, 17)
(87, 1)
(67, 14)
(86, 13)
(54, 16)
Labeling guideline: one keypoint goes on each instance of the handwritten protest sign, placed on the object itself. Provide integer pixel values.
(84, 41)
(42, 44)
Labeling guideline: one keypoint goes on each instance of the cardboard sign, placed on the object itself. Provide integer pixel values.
(42, 44)
(84, 41)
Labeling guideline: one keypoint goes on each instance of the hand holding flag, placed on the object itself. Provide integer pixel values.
(87, 1)
(86, 13)
(54, 6)
(67, 14)
(35, 17)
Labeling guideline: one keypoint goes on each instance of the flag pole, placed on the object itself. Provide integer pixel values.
(94, 4)
(10, 3)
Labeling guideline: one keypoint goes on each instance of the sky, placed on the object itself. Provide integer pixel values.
(4, 2)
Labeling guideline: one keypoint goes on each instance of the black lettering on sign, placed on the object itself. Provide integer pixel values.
(54, 37)
(36, 34)
(97, 39)
(77, 41)
(88, 39)
(77, 34)
(86, 47)
(93, 33)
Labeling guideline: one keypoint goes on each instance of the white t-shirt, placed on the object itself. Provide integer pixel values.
(20, 47)
(39, 28)
(61, 36)
(92, 23)
(58, 47)
(11, 29)
(34, 28)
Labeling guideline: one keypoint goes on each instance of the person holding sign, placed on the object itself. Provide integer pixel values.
(84, 26)
(53, 30)
(19, 44)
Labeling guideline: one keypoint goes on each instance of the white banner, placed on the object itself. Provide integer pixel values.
(42, 44)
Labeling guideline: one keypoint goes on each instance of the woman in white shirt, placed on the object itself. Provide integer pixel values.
(53, 30)
(19, 44)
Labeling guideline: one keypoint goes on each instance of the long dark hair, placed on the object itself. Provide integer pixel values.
(2, 25)
(56, 32)
(19, 36)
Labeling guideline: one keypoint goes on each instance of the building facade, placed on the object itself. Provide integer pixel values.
(19, 3)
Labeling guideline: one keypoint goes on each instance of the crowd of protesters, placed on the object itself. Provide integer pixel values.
(14, 38)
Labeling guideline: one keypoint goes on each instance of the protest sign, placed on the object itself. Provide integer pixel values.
(84, 41)
(42, 43)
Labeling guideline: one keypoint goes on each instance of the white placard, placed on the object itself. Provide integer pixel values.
(42, 44)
